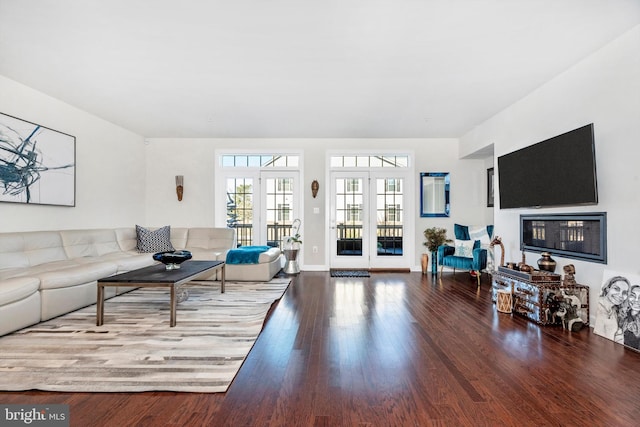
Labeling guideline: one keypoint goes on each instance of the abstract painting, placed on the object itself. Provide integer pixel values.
(618, 310)
(37, 164)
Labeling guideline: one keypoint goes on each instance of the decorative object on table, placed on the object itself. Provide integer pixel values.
(504, 301)
(179, 186)
(37, 164)
(569, 274)
(546, 263)
(291, 246)
(315, 186)
(618, 310)
(435, 194)
(498, 241)
(434, 238)
(490, 180)
(172, 259)
(523, 266)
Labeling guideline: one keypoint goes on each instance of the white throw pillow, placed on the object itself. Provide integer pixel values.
(479, 232)
(464, 248)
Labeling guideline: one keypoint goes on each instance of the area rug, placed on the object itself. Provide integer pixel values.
(136, 350)
(349, 273)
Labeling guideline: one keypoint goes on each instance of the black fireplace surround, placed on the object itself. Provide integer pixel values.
(579, 236)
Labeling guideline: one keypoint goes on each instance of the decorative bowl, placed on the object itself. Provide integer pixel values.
(172, 259)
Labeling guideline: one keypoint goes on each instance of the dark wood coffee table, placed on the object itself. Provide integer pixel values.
(157, 276)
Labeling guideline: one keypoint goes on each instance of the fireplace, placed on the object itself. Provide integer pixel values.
(579, 236)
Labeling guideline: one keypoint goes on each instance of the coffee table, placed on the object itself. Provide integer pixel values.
(157, 276)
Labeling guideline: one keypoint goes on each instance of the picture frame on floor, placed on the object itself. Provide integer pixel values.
(618, 310)
(37, 164)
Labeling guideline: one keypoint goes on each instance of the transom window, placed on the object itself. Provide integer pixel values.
(370, 161)
(259, 161)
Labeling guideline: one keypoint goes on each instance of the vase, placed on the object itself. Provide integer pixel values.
(425, 263)
(434, 264)
(546, 263)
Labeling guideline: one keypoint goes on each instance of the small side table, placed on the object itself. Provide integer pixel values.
(291, 266)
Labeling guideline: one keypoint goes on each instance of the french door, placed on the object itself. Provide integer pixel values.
(261, 205)
(368, 220)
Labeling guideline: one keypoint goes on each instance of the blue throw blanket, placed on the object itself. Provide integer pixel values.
(245, 254)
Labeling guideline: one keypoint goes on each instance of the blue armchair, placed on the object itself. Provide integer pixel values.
(475, 258)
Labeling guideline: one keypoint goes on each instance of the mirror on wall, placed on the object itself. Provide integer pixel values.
(434, 194)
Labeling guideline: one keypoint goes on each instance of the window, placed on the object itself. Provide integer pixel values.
(284, 212)
(392, 213)
(353, 185)
(372, 161)
(259, 161)
(354, 212)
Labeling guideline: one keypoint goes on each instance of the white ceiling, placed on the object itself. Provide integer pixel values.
(300, 68)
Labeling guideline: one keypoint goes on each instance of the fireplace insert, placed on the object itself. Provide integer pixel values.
(578, 236)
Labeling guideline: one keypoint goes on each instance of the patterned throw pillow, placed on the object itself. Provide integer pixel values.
(154, 241)
(464, 248)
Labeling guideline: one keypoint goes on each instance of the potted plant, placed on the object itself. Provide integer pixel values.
(291, 248)
(434, 238)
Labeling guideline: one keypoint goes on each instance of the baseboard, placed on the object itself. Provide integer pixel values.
(389, 270)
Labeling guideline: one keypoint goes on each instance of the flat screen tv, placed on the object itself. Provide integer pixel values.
(559, 171)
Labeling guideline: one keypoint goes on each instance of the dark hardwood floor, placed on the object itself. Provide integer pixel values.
(394, 350)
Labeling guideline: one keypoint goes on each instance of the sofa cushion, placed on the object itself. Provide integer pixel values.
(126, 261)
(150, 241)
(82, 243)
(208, 238)
(20, 250)
(17, 288)
(127, 238)
(77, 274)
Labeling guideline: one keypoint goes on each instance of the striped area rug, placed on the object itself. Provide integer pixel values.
(136, 350)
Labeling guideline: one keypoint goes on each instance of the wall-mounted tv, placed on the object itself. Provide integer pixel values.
(559, 171)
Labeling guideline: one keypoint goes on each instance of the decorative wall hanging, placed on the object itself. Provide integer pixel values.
(37, 164)
(179, 186)
(315, 186)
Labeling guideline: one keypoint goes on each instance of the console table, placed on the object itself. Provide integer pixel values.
(541, 296)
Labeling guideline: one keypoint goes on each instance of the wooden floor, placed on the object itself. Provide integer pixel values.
(394, 350)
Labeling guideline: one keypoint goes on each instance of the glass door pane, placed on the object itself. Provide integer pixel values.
(389, 217)
(240, 208)
(350, 210)
(279, 193)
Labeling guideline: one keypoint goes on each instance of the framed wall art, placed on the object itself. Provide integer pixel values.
(490, 187)
(37, 164)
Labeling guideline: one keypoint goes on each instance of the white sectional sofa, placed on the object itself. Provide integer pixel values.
(44, 274)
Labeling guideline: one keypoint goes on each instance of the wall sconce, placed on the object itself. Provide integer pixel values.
(314, 188)
(179, 186)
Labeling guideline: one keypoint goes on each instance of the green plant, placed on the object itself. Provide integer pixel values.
(296, 238)
(435, 237)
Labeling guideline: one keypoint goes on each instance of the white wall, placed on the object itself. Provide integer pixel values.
(603, 89)
(195, 159)
(110, 163)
